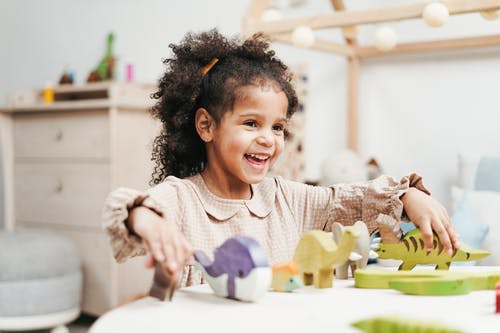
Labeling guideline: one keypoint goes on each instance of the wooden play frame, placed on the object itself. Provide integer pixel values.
(348, 20)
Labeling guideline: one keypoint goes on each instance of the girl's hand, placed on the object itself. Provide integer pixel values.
(166, 243)
(428, 214)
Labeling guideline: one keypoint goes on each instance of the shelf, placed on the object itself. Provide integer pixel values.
(90, 96)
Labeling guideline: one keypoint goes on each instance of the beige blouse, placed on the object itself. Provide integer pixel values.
(276, 215)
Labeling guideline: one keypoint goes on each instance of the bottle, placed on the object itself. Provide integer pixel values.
(129, 71)
(48, 93)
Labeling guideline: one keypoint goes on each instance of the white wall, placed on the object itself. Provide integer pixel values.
(417, 112)
(420, 113)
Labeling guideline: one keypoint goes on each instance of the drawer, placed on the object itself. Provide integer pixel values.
(61, 193)
(62, 134)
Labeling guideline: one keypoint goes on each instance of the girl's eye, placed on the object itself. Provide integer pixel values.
(278, 128)
(251, 123)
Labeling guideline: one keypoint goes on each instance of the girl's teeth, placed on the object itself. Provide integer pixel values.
(262, 158)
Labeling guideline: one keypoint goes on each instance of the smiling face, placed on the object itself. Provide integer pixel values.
(248, 139)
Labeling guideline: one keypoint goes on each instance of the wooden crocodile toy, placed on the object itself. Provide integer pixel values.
(426, 282)
(411, 250)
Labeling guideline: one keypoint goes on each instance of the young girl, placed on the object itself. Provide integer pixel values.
(224, 106)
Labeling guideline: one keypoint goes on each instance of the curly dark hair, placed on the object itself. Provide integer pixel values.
(178, 150)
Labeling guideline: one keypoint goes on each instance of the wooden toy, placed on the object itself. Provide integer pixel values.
(317, 254)
(410, 248)
(361, 247)
(426, 282)
(286, 277)
(163, 286)
(435, 14)
(105, 69)
(240, 269)
(386, 324)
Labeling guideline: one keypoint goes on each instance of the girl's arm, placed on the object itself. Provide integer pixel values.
(429, 215)
(136, 222)
(165, 242)
(317, 207)
(114, 215)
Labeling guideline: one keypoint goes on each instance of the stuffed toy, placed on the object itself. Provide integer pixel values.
(345, 166)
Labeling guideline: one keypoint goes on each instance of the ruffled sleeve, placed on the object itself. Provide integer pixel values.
(366, 201)
(115, 214)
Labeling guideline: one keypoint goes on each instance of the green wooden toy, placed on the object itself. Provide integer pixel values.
(410, 248)
(426, 282)
(387, 324)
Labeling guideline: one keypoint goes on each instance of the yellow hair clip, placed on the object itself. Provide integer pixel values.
(209, 66)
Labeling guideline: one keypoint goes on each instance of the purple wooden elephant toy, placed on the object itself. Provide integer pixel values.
(240, 269)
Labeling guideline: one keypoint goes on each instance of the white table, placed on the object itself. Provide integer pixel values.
(197, 309)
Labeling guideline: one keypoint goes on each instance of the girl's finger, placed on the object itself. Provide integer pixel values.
(443, 236)
(455, 236)
(450, 228)
(157, 251)
(170, 261)
(425, 228)
(150, 261)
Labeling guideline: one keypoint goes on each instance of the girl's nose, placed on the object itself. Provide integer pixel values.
(265, 138)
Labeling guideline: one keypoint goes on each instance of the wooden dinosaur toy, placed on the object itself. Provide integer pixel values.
(286, 277)
(163, 286)
(240, 269)
(385, 324)
(426, 282)
(317, 255)
(361, 247)
(410, 248)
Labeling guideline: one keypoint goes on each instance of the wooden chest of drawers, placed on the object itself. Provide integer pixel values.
(60, 162)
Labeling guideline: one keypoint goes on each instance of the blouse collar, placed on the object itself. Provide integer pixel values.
(261, 203)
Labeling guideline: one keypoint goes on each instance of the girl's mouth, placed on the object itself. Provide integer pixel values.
(258, 159)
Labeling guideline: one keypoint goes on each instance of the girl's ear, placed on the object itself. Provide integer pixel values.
(205, 124)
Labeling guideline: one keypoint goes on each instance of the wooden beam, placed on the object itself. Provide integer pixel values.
(350, 32)
(352, 103)
(320, 45)
(328, 46)
(371, 16)
(256, 8)
(438, 45)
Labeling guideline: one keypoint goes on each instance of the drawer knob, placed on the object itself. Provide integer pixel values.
(59, 134)
(59, 186)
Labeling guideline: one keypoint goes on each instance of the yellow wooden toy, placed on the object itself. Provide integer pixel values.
(317, 255)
